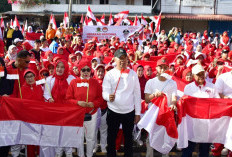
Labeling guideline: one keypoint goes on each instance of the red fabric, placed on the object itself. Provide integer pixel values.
(77, 47)
(32, 92)
(27, 45)
(61, 85)
(218, 147)
(146, 67)
(75, 94)
(39, 112)
(33, 36)
(142, 82)
(225, 38)
(165, 116)
(2, 45)
(68, 50)
(31, 150)
(119, 139)
(144, 107)
(83, 63)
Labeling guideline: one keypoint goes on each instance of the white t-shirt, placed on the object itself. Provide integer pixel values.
(224, 84)
(206, 91)
(168, 87)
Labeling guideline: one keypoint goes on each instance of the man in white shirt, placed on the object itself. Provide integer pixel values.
(223, 86)
(121, 90)
(200, 88)
(158, 86)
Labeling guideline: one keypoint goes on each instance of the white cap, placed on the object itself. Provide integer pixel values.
(90, 41)
(180, 55)
(198, 54)
(197, 69)
(97, 59)
(17, 40)
(190, 62)
(78, 52)
(100, 65)
(112, 47)
(99, 44)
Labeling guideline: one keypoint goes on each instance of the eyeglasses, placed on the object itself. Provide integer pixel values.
(84, 70)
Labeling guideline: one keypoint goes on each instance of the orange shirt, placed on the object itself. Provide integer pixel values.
(50, 34)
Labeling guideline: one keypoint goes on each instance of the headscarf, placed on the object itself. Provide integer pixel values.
(225, 38)
(184, 74)
(47, 53)
(61, 85)
(31, 29)
(9, 54)
(95, 73)
(71, 69)
(142, 81)
(83, 63)
(146, 67)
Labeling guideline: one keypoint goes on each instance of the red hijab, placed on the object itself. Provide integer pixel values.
(225, 38)
(146, 67)
(184, 74)
(61, 84)
(95, 74)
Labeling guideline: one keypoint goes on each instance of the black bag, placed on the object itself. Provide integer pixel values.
(88, 117)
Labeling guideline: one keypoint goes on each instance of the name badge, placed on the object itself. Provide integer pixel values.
(82, 84)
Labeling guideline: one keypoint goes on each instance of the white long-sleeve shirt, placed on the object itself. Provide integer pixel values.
(50, 83)
(128, 95)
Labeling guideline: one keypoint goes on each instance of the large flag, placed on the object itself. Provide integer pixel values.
(44, 124)
(157, 20)
(90, 14)
(100, 23)
(204, 120)
(122, 15)
(159, 122)
(136, 21)
(110, 20)
(66, 19)
(119, 22)
(53, 21)
(143, 20)
(151, 26)
(16, 23)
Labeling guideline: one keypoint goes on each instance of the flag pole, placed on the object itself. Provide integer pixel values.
(70, 12)
(20, 92)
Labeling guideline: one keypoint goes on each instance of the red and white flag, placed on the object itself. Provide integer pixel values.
(159, 122)
(136, 21)
(16, 23)
(12, 74)
(122, 15)
(90, 14)
(100, 23)
(110, 20)
(119, 22)
(157, 20)
(82, 19)
(25, 26)
(151, 26)
(66, 19)
(2, 72)
(102, 19)
(2, 25)
(143, 20)
(53, 21)
(40, 124)
(204, 120)
(11, 23)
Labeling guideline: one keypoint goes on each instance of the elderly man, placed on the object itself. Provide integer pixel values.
(200, 88)
(121, 90)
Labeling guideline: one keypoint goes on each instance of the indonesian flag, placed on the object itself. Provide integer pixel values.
(110, 20)
(66, 19)
(11, 23)
(43, 123)
(122, 15)
(151, 26)
(82, 19)
(136, 21)
(143, 20)
(53, 21)
(102, 19)
(12, 74)
(90, 13)
(100, 23)
(119, 22)
(139, 30)
(90, 22)
(2, 23)
(16, 23)
(204, 120)
(159, 122)
(2, 72)
(157, 20)
(33, 36)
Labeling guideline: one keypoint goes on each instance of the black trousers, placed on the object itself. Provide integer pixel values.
(4, 151)
(113, 121)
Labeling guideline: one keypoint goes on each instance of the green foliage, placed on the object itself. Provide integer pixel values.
(4, 6)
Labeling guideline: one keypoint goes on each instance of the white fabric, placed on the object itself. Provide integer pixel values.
(12, 76)
(216, 130)
(158, 137)
(89, 134)
(224, 84)
(207, 91)
(50, 83)
(44, 49)
(168, 87)
(128, 95)
(17, 132)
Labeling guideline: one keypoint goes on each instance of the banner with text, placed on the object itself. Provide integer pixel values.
(106, 32)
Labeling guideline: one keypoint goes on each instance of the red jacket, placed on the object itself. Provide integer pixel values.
(32, 92)
(75, 93)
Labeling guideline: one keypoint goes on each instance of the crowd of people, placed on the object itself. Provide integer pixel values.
(59, 68)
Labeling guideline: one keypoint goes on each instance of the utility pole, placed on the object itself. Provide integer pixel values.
(70, 12)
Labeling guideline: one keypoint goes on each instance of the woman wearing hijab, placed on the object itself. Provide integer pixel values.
(86, 92)
(225, 40)
(11, 53)
(55, 91)
(99, 74)
(6, 88)
(187, 75)
(139, 69)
